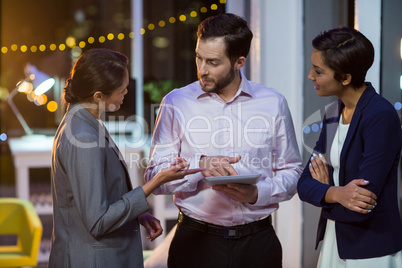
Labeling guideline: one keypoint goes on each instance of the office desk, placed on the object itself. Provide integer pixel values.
(35, 152)
(29, 152)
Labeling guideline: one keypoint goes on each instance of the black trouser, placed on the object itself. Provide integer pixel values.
(192, 248)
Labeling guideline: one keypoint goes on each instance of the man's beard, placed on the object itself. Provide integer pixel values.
(219, 84)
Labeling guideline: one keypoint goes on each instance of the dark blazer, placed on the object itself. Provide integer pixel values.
(371, 151)
(95, 209)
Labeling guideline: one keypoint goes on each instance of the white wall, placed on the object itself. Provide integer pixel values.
(137, 59)
(368, 22)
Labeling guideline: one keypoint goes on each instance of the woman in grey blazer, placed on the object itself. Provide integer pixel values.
(96, 213)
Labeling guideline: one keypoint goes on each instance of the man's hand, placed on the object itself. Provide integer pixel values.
(219, 165)
(239, 192)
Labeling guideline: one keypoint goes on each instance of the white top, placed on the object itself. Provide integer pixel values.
(329, 257)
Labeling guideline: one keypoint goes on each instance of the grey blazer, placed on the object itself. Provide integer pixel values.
(95, 209)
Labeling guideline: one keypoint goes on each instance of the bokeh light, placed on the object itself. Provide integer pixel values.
(76, 52)
(31, 96)
(182, 18)
(151, 26)
(70, 42)
(52, 106)
(306, 130)
(160, 42)
(25, 87)
(40, 100)
(3, 136)
(315, 127)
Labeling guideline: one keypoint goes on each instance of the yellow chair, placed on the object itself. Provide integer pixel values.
(18, 217)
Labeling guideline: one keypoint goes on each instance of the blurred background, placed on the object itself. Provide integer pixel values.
(159, 37)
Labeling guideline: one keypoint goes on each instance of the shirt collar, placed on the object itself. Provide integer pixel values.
(244, 89)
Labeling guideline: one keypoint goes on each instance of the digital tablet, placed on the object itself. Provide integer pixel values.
(193, 169)
(242, 179)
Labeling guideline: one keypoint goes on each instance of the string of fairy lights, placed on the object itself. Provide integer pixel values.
(72, 43)
(77, 46)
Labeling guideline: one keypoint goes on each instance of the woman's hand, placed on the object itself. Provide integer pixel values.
(152, 225)
(352, 196)
(177, 170)
(319, 168)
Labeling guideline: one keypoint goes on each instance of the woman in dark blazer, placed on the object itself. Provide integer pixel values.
(352, 173)
(96, 213)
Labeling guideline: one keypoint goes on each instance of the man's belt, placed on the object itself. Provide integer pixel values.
(230, 232)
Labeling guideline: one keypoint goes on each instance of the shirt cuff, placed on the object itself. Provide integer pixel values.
(264, 194)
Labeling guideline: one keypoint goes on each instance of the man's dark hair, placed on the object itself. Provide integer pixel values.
(233, 28)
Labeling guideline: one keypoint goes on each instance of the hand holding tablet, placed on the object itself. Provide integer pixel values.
(242, 179)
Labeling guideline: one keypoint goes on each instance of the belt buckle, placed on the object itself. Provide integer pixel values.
(231, 233)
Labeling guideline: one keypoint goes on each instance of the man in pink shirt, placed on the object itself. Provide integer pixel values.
(228, 126)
